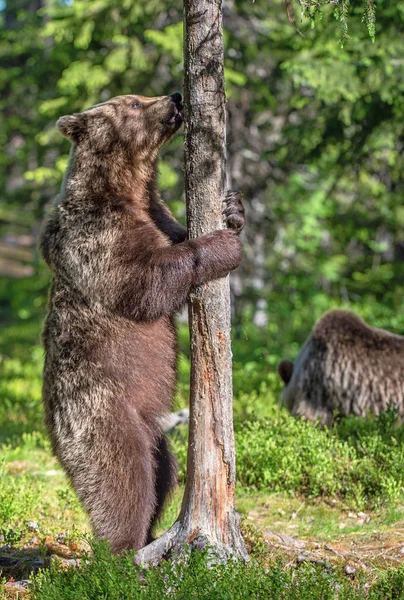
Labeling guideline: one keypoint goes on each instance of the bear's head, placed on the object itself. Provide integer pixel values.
(135, 125)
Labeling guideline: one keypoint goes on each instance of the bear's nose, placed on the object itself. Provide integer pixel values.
(176, 97)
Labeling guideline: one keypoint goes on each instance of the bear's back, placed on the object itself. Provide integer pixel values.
(346, 366)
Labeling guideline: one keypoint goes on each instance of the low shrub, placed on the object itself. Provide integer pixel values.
(361, 461)
(193, 577)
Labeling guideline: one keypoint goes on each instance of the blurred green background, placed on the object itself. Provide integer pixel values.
(315, 143)
(315, 140)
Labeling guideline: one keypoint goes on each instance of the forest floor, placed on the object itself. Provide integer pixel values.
(335, 532)
(48, 526)
(330, 535)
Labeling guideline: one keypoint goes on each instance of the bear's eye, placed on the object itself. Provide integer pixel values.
(136, 104)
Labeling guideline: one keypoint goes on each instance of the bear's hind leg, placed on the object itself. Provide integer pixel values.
(166, 478)
(116, 483)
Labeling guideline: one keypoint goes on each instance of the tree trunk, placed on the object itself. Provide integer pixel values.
(208, 517)
(209, 495)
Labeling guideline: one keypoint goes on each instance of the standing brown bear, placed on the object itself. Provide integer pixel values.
(121, 269)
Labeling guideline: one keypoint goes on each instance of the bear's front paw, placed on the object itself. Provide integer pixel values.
(234, 211)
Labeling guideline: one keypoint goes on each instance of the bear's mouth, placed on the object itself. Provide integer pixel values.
(175, 118)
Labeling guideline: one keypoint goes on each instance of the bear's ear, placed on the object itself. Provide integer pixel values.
(72, 126)
(285, 370)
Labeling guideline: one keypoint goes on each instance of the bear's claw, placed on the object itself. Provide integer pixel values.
(234, 211)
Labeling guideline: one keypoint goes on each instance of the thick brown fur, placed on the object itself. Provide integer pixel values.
(345, 367)
(121, 268)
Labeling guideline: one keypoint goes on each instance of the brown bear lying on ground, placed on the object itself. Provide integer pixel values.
(121, 268)
(344, 366)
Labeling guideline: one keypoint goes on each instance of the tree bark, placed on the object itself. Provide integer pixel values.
(209, 495)
(208, 517)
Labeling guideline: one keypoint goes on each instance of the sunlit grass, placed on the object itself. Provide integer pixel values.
(293, 478)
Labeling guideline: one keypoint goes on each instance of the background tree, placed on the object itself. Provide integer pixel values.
(315, 134)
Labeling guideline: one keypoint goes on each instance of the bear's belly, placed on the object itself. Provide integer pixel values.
(96, 358)
(142, 357)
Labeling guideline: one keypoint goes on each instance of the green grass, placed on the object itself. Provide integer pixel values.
(293, 477)
(34, 488)
(359, 461)
(193, 577)
(20, 396)
(321, 520)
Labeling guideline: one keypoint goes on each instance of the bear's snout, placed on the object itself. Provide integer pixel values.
(175, 117)
(177, 99)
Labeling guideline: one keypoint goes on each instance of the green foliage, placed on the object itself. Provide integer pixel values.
(314, 142)
(268, 458)
(312, 10)
(359, 461)
(20, 395)
(390, 585)
(34, 488)
(22, 307)
(20, 496)
(369, 17)
(195, 577)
